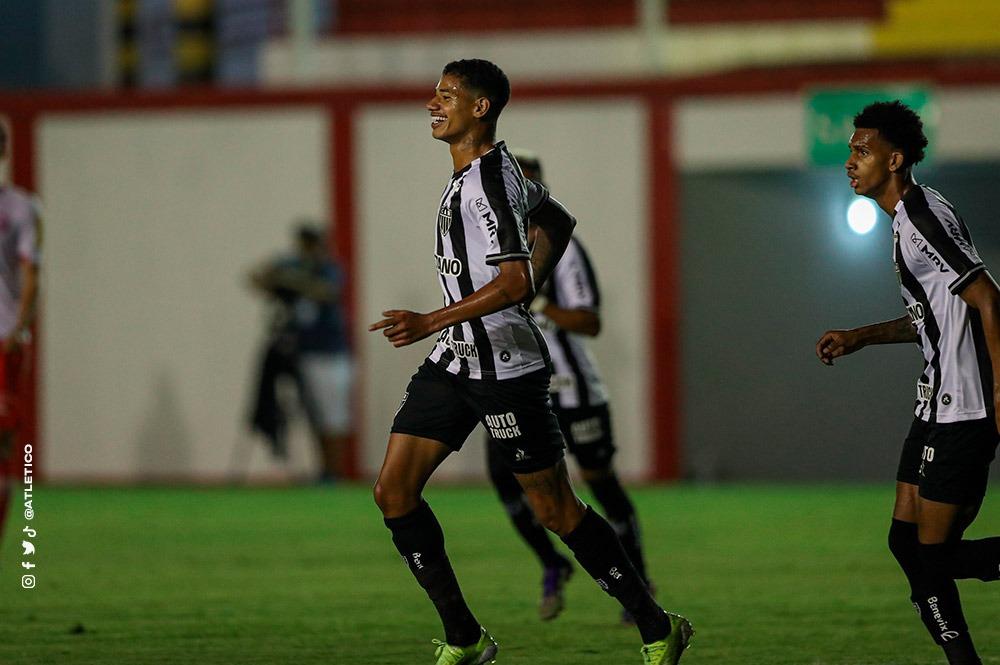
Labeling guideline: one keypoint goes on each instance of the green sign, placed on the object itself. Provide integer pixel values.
(830, 117)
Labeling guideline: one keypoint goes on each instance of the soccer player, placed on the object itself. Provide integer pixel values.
(953, 314)
(567, 310)
(490, 365)
(19, 236)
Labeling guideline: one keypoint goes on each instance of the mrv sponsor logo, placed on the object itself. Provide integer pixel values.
(931, 257)
(487, 215)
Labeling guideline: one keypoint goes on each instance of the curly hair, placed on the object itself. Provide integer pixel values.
(485, 78)
(899, 124)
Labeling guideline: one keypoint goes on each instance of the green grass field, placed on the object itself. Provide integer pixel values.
(768, 575)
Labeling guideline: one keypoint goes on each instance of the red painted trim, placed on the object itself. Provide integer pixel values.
(342, 151)
(21, 149)
(953, 72)
(665, 407)
(735, 11)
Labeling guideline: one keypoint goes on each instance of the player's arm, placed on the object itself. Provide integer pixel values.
(983, 295)
(836, 343)
(555, 225)
(28, 268)
(577, 320)
(26, 307)
(512, 286)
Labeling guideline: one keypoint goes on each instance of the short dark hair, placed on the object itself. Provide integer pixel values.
(485, 78)
(899, 124)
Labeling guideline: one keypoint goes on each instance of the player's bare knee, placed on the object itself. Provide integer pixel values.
(558, 517)
(394, 500)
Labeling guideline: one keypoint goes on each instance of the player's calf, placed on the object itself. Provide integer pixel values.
(600, 553)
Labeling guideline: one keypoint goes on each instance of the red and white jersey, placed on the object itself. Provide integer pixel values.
(935, 259)
(18, 242)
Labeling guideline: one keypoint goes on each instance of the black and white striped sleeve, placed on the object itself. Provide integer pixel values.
(537, 195)
(949, 238)
(502, 216)
(574, 280)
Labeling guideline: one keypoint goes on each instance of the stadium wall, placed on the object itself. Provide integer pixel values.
(148, 334)
(157, 207)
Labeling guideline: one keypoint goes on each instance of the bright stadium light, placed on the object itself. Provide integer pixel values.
(861, 216)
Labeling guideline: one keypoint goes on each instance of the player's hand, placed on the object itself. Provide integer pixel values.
(836, 343)
(402, 327)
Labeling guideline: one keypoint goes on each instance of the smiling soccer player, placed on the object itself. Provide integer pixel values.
(490, 365)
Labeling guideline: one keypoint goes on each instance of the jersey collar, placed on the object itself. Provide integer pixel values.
(496, 146)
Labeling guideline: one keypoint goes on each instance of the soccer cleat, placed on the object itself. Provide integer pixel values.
(668, 651)
(553, 582)
(482, 652)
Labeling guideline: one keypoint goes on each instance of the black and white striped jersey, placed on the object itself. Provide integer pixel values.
(576, 381)
(481, 222)
(935, 259)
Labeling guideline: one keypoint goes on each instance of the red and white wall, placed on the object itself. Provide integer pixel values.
(156, 206)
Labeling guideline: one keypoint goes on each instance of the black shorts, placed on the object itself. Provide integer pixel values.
(950, 462)
(587, 431)
(517, 414)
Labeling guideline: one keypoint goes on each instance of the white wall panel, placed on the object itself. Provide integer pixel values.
(970, 124)
(734, 132)
(765, 131)
(150, 334)
(594, 157)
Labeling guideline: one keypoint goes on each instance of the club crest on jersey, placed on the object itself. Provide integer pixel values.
(444, 219)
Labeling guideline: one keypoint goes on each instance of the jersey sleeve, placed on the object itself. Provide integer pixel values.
(501, 214)
(574, 284)
(537, 195)
(949, 241)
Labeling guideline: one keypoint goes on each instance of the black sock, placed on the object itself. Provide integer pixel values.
(600, 553)
(905, 546)
(936, 598)
(533, 533)
(418, 537)
(621, 514)
(979, 559)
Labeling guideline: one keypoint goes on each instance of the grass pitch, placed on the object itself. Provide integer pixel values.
(768, 575)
